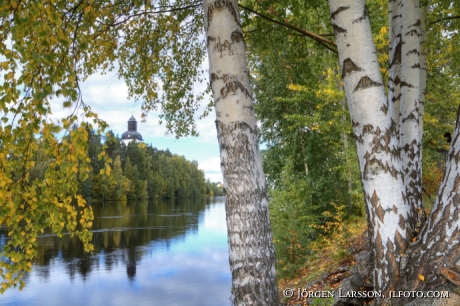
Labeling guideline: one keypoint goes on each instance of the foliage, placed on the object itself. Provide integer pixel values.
(214, 189)
(305, 128)
(48, 48)
(142, 172)
(34, 197)
(291, 217)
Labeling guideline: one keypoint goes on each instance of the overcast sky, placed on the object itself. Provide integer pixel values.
(108, 97)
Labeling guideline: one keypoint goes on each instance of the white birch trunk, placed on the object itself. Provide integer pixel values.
(376, 140)
(405, 93)
(394, 80)
(410, 112)
(252, 254)
(438, 245)
(388, 137)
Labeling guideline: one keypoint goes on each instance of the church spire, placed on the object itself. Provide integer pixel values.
(132, 133)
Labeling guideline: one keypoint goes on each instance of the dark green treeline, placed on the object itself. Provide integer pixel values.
(140, 172)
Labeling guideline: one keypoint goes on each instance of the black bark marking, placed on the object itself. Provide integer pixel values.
(384, 109)
(349, 66)
(214, 77)
(412, 32)
(396, 98)
(368, 128)
(358, 138)
(222, 47)
(378, 246)
(378, 147)
(400, 242)
(380, 213)
(455, 185)
(355, 123)
(211, 40)
(393, 271)
(373, 166)
(220, 5)
(454, 236)
(397, 16)
(417, 24)
(390, 247)
(366, 82)
(411, 117)
(397, 80)
(237, 37)
(232, 85)
(397, 54)
(403, 83)
(364, 16)
(338, 30)
(339, 10)
(416, 65)
(413, 51)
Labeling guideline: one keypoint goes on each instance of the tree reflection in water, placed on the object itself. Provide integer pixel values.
(162, 253)
(119, 229)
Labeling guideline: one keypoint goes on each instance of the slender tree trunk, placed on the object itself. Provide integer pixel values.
(405, 57)
(438, 245)
(376, 139)
(347, 163)
(252, 254)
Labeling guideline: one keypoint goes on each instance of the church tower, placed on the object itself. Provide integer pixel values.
(131, 134)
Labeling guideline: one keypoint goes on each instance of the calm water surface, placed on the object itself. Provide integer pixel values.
(165, 253)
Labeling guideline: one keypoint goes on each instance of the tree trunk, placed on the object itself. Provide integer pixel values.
(388, 137)
(438, 245)
(405, 93)
(347, 163)
(252, 254)
(376, 140)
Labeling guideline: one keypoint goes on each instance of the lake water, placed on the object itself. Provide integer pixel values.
(165, 253)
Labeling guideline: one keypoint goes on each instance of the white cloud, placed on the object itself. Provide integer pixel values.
(211, 168)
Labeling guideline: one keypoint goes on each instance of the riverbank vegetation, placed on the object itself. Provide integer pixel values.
(133, 172)
(140, 172)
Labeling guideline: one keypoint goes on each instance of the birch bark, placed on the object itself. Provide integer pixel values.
(438, 246)
(376, 140)
(388, 136)
(251, 250)
(411, 111)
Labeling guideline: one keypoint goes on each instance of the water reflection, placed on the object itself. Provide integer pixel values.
(163, 253)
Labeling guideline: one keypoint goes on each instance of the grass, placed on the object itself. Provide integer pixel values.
(331, 252)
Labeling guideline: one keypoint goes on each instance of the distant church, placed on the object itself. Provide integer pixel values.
(131, 134)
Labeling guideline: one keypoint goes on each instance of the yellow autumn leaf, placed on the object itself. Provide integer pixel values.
(421, 277)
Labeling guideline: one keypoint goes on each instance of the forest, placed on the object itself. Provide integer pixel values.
(356, 103)
(136, 171)
(141, 172)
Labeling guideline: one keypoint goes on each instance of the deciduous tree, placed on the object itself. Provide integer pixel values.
(252, 254)
(388, 130)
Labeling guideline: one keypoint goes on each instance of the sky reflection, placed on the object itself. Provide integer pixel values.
(186, 269)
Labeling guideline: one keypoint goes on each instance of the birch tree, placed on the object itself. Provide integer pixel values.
(157, 47)
(409, 250)
(251, 250)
